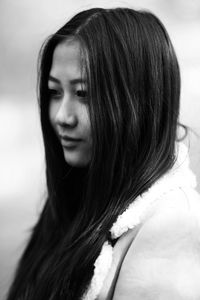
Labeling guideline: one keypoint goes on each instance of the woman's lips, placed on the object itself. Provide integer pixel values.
(69, 142)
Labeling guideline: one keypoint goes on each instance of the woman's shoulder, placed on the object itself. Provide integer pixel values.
(185, 200)
(163, 260)
(181, 204)
(177, 213)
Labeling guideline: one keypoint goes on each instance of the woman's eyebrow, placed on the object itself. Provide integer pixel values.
(77, 80)
(51, 78)
(72, 81)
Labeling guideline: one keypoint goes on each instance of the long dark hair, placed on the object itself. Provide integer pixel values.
(134, 89)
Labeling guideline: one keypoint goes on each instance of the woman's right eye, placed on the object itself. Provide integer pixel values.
(53, 93)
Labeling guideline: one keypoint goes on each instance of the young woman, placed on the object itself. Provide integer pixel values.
(122, 219)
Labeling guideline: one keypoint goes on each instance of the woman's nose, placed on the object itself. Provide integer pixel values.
(66, 114)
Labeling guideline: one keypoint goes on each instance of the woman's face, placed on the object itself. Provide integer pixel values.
(68, 106)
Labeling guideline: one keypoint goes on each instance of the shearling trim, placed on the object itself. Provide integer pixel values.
(179, 176)
(102, 266)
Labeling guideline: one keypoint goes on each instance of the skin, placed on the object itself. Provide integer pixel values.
(68, 106)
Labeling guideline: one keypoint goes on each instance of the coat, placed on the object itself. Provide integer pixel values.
(157, 254)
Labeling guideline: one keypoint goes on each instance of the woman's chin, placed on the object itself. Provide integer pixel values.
(76, 160)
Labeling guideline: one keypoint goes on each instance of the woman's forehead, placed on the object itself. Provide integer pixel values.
(67, 59)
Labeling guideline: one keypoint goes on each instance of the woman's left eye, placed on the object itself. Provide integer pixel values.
(81, 93)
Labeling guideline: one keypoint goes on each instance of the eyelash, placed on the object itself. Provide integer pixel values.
(55, 93)
(81, 93)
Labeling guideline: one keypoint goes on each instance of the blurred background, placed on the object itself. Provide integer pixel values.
(24, 26)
